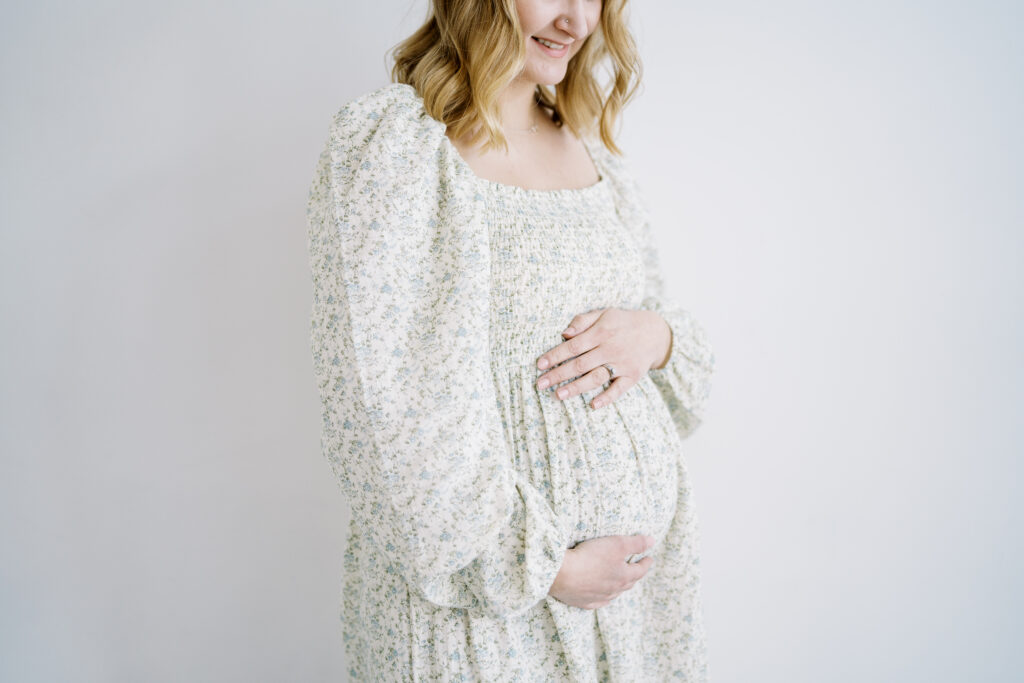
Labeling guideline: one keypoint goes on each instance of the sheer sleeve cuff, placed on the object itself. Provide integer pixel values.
(517, 572)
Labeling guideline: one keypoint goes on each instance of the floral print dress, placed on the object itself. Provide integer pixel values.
(435, 291)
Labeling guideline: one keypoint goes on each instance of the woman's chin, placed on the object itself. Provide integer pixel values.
(548, 76)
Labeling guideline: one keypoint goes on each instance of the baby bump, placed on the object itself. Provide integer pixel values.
(610, 471)
(624, 475)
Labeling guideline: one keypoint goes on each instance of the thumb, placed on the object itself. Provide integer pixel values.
(640, 543)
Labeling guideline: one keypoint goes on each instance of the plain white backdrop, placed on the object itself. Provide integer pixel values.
(837, 190)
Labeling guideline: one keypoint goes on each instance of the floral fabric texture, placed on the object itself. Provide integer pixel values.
(435, 292)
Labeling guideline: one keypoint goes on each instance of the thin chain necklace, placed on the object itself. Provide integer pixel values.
(532, 129)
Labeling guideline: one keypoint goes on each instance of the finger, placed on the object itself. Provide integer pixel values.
(635, 572)
(582, 321)
(588, 381)
(565, 350)
(616, 388)
(638, 543)
(570, 348)
(574, 349)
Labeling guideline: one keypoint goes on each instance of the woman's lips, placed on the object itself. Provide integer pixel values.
(551, 51)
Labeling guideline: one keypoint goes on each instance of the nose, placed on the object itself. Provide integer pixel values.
(574, 12)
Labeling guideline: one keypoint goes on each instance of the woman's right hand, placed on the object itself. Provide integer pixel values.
(595, 572)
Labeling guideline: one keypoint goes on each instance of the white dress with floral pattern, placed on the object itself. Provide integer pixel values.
(435, 291)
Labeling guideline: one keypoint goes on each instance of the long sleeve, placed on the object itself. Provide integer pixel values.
(400, 325)
(685, 380)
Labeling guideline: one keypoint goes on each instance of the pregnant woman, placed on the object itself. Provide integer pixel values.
(505, 386)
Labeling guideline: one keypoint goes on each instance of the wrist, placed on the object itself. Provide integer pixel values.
(557, 585)
(664, 346)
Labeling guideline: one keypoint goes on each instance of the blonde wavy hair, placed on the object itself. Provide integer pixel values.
(469, 50)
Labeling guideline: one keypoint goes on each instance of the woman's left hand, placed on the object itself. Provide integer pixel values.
(632, 342)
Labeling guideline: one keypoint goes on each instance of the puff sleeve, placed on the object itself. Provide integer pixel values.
(400, 325)
(685, 380)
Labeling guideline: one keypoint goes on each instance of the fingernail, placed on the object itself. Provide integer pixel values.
(542, 383)
(570, 330)
(562, 392)
(542, 363)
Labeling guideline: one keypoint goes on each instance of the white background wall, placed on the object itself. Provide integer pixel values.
(837, 188)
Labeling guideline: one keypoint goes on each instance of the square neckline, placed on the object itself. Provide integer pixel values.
(602, 177)
(505, 188)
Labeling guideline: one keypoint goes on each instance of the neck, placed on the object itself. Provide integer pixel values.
(516, 105)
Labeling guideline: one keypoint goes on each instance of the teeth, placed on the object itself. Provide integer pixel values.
(553, 46)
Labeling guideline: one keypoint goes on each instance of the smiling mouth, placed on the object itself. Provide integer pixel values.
(549, 43)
